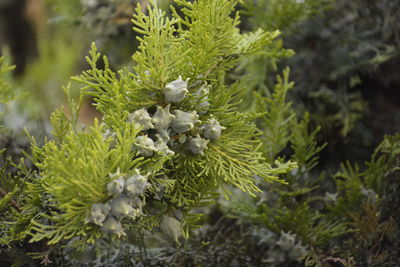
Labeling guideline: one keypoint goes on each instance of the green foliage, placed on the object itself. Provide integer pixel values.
(282, 14)
(7, 92)
(255, 71)
(11, 187)
(368, 200)
(359, 186)
(78, 170)
(337, 54)
(251, 71)
(362, 195)
(289, 210)
(338, 44)
(341, 110)
(349, 181)
(383, 163)
(304, 145)
(172, 140)
(90, 160)
(279, 116)
(72, 8)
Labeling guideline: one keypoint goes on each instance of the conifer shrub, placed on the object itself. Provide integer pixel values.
(200, 156)
(169, 136)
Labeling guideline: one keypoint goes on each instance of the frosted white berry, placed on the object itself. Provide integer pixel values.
(176, 91)
(141, 118)
(197, 144)
(212, 130)
(164, 135)
(162, 147)
(145, 145)
(99, 212)
(184, 121)
(113, 226)
(115, 187)
(162, 118)
(182, 138)
(136, 184)
(286, 241)
(121, 207)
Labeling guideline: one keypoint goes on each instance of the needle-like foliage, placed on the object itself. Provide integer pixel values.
(169, 137)
(6, 91)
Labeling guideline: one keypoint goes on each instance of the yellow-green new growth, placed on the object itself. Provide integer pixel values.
(73, 180)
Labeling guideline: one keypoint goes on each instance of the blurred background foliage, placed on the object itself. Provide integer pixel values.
(339, 208)
(344, 67)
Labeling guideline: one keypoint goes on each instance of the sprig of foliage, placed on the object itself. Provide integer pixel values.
(269, 15)
(279, 116)
(203, 141)
(286, 214)
(75, 189)
(284, 14)
(358, 186)
(367, 202)
(7, 92)
(304, 144)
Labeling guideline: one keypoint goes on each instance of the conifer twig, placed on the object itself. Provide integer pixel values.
(4, 193)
